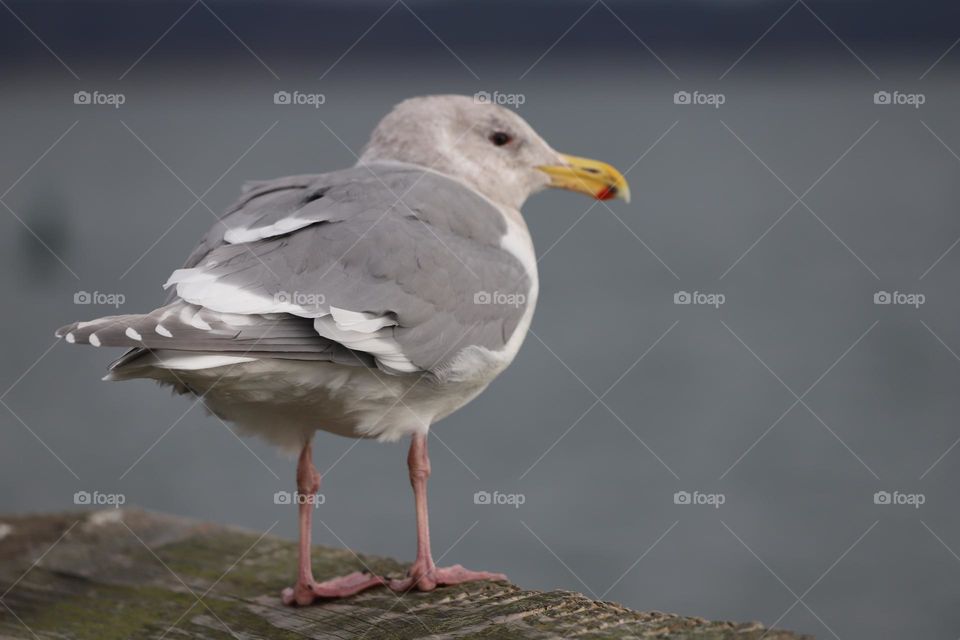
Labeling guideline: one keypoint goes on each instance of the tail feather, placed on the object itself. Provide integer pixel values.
(154, 329)
(185, 327)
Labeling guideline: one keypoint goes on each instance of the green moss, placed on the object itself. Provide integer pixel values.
(267, 567)
(107, 613)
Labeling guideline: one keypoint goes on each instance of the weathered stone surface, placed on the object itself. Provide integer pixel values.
(131, 574)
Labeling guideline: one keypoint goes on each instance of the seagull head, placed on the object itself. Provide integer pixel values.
(489, 147)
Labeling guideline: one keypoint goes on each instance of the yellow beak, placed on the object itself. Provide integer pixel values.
(592, 177)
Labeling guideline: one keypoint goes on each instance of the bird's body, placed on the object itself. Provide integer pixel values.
(286, 401)
(330, 385)
(369, 302)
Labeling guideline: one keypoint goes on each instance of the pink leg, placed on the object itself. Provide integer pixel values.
(307, 590)
(424, 575)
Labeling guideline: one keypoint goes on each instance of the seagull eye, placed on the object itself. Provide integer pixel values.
(500, 138)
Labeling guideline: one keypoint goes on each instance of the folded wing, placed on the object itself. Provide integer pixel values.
(388, 265)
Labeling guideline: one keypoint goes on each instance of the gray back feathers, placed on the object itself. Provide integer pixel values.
(386, 265)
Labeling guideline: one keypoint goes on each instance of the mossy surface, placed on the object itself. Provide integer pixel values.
(132, 574)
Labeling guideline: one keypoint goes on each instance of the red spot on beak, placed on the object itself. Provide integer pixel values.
(607, 193)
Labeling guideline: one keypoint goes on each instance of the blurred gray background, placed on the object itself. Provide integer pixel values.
(98, 199)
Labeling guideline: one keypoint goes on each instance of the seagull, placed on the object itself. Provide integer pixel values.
(369, 302)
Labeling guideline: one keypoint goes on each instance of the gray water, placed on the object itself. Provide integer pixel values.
(702, 411)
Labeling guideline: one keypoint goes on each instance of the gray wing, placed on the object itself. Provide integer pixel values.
(400, 268)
